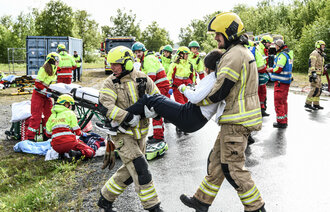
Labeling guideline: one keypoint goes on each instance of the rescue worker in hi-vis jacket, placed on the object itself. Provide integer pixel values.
(119, 91)
(281, 74)
(237, 84)
(66, 65)
(315, 71)
(41, 103)
(151, 66)
(63, 126)
(195, 59)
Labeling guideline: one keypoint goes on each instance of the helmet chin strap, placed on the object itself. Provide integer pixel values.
(122, 74)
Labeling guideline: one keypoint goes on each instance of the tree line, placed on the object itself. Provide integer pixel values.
(300, 22)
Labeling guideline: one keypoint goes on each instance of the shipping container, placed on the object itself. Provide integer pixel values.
(38, 47)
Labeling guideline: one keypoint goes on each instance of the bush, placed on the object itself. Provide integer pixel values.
(91, 58)
(318, 30)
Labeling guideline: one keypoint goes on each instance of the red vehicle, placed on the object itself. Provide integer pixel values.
(112, 42)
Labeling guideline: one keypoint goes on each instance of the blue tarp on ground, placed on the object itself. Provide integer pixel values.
(38, 148)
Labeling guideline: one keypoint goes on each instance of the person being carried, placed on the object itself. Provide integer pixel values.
(187, 117)
(63, 126)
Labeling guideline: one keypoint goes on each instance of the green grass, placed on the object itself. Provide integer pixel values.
(28, 183)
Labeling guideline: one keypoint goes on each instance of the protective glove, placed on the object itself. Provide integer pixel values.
(149, 113)
(182, 88)
(135, 121)
(83, 134)
(313, 77)
(131, 120)
(109, 158)
(170, 91)
(49, 95)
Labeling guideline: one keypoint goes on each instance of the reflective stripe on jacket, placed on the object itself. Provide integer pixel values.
(166, 62)
(284, 61)
(43, 80)
(242, 102)
(62, 124)
(316, 62)
(67, 61)
(182, 70)
(152, 67)
(197, 62)
(116, 97)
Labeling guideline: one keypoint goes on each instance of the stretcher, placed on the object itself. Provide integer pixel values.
(86, 101)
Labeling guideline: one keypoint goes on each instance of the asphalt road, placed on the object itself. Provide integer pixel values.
(289, 166)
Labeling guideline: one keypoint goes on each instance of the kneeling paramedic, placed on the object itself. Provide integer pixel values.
(119, 91)
(237, 84)
(63, 126)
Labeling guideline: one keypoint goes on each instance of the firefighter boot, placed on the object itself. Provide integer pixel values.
(105, 204)
(156, 208)
(280, 125)
(308, 106)
(318, 107)
(263, 112)
(251, 140)
(262, 209)
(192, 202)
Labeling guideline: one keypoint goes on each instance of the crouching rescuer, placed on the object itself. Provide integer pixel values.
(63, 126)
(121, 90)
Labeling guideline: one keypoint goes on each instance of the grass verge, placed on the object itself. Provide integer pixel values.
(28, 183)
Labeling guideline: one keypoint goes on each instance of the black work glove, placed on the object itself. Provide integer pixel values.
(313, 77)
(103, 110)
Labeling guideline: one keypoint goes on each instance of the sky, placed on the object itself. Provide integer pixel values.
(169, 14)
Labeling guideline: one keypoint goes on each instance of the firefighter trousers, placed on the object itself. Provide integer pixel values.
(262, 93)
(158, 125)
(281, 91)
(227, 160)
(40, 105)
(315, 93)
(187, 117)
(134, 169)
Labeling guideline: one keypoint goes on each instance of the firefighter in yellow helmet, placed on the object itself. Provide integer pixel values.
(315, 71)
(120, 90)
(237, 84)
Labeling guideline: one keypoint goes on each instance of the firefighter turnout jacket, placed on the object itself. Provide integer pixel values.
(242, 101)
(117, 96)
(316, 62)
